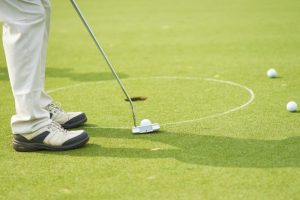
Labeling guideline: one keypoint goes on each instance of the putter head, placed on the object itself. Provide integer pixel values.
(145, 128)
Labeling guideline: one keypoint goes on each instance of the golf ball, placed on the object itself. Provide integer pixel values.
(272, 73)
(145, 122)
(292, 106)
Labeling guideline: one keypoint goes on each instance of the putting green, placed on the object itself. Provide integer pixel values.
(225, 134)
(183, 99)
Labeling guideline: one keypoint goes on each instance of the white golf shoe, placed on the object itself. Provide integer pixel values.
(65, 119)
(52, 137)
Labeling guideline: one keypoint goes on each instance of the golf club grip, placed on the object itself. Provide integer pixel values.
(105, 57)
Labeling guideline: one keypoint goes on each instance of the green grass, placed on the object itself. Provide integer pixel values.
(253, 153)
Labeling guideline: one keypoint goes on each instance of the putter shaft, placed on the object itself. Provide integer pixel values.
(106, 59)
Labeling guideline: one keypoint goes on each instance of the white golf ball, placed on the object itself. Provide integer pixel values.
(272, 73)
(292, 106)
(145, 122)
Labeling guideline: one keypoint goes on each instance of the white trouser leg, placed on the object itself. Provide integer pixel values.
(45, 99)
(23, 39)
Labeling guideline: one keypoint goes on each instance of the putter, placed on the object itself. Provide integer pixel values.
(142, 128)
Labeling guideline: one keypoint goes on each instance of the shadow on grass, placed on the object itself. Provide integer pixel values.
(296, 112)
(85, 77)
(200, 150)
(3, 74)
(70, 74)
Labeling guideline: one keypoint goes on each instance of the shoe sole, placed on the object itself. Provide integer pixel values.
(75, 122)
(29, 147)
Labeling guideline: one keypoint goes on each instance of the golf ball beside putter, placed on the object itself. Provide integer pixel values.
(146, 126)
(145, 122)
(292, 106)
(272, 73)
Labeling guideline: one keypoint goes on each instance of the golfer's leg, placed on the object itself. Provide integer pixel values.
(45, 99)
(23, 36)
(66, 119)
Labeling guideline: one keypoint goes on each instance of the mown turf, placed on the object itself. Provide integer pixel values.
(253, 153)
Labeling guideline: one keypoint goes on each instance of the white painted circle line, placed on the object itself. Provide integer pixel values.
(251, 99)
(244, 105)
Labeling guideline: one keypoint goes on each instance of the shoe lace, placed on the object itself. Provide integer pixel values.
(54, 107)
(57, 128)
